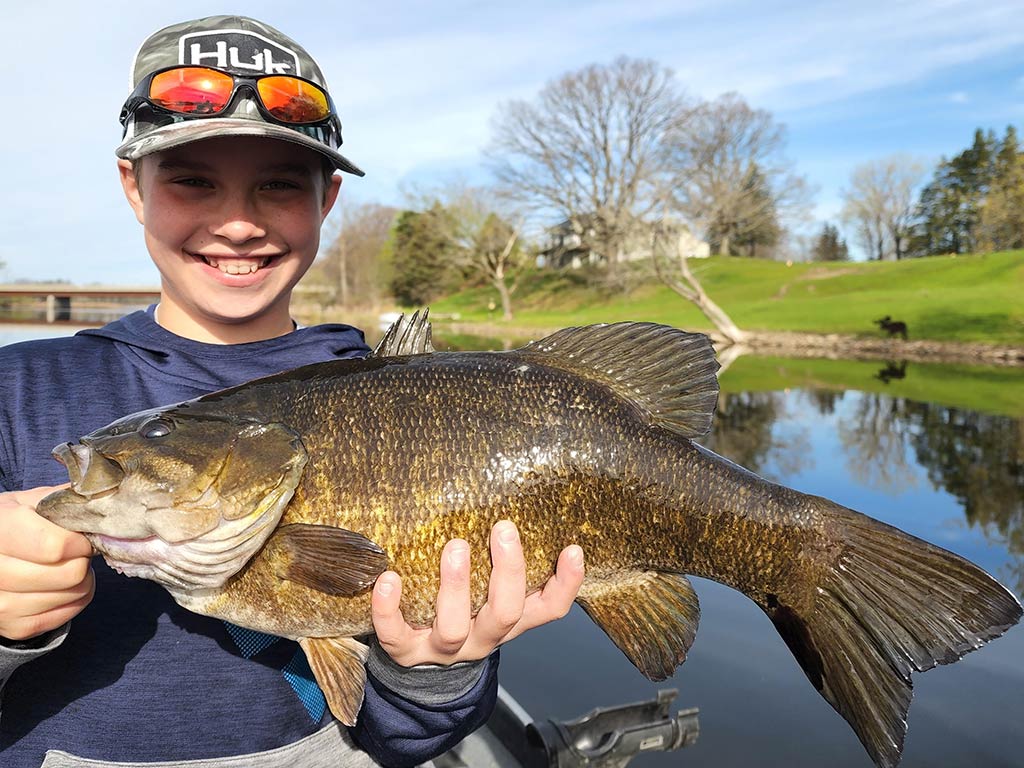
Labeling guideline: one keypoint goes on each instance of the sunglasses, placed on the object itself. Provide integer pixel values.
(204, 92)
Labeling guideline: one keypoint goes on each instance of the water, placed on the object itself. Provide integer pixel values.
(952, 476)
(10, 334)
(935, 450)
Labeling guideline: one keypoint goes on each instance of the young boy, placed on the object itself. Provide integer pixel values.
(228, 160)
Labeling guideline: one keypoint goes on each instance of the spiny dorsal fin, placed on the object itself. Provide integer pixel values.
(406, 337)
(668, 372)
(652, 617)
(339, 666)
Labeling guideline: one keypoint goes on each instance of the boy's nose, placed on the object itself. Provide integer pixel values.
(238, 222)
(238, 230)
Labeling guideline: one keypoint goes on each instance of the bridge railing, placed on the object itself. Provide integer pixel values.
(72, 305)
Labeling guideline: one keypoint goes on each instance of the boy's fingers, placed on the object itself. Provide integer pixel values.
(452, 621)
(385, 610)
(18, 575)
(26, 604)
(506, 590)
(29, 537)
(23, 616)
(558, 594)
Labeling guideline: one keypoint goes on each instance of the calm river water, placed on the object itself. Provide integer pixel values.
(937, 451)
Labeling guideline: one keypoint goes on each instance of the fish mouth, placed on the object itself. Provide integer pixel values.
(91, 473)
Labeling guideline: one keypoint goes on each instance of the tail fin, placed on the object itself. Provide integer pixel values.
(890, 604)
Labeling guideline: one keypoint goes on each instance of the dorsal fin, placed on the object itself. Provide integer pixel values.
(667, 372)
(406, 337)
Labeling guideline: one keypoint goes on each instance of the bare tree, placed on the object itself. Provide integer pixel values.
(485, 233)
(351, 265)
(486, 243)
(879, 205)
(591, 149)
(671, 260)
(736, 180)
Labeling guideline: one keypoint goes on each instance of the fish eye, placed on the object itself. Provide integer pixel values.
(156, 428)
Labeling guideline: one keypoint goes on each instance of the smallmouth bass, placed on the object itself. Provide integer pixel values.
(275, 504)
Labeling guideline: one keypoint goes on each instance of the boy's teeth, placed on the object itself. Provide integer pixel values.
(235, 267)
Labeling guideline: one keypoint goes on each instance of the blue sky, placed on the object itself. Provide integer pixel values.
(418, 82)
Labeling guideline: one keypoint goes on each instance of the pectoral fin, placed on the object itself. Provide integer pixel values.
(652, 617)
(332, 560)
(339, 666)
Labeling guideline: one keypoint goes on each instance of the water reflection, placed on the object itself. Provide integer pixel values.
(743, 432)
(977, 458)
(892, 371)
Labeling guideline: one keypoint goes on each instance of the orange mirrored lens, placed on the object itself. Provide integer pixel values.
(293, 101)
(194, 90)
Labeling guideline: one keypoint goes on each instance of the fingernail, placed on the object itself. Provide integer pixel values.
(508, 535)
(385, 588)
(576, 555)
(457, 556)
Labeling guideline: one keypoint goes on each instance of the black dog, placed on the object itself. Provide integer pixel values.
(893, 326)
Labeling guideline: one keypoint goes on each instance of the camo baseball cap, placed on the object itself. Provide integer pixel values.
(240, 46)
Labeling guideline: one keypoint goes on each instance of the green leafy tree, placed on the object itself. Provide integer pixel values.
(422, 256)
(829, 246)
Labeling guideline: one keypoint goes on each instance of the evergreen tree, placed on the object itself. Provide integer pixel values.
(951, 204)
(421, 256)
(829, 246)
(757, 226)
(1001, 220)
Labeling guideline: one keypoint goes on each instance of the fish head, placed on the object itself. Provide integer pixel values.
(183, 495)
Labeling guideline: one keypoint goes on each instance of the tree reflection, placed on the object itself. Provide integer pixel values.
(742, 432)
(824, 400)
(875, 441)
(979, 459)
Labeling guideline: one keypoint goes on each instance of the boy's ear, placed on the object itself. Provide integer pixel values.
(130, 185)
(330, 195)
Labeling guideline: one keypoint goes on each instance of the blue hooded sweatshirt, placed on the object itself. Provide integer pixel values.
(138, 678)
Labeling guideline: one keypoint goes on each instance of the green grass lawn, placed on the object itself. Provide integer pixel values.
(978, 388)
(962, 298)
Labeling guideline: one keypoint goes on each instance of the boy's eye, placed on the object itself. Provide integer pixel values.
(192, 181)
(281, 184)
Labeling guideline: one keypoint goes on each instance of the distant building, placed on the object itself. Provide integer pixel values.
(566, 244)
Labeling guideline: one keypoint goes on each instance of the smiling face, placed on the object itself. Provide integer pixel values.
(232, 224)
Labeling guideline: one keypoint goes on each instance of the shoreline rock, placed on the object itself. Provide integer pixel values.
(832, 346)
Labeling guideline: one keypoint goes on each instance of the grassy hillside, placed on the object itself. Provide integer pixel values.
(962, 298)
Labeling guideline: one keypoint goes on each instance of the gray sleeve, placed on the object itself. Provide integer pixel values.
(426, 684)
(13, 654)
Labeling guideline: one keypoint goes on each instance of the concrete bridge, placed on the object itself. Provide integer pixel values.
(61, 303)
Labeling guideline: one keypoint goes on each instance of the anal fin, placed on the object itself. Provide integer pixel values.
(339, 666)
(652, 617)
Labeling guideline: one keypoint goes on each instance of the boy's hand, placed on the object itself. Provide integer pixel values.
(508, 612)
(45, 578)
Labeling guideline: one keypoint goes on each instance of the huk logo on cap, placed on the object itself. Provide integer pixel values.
(234, 49)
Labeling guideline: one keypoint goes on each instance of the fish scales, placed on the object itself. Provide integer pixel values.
(648, 498)
(277, 503)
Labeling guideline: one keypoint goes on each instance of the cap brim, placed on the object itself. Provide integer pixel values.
(179, 134)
